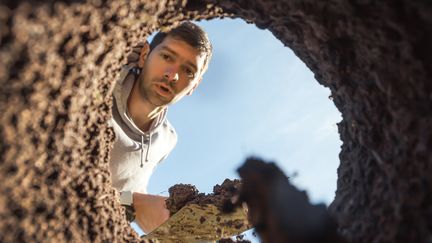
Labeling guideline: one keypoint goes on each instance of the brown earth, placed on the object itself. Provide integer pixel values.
(181, 195)
(59, 60)
(279, 212)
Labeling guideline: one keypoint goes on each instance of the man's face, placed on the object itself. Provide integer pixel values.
(172, 70)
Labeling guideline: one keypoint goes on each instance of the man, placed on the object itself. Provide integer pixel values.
(170, 68)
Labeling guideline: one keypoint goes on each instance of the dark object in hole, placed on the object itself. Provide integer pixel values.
(279, 211)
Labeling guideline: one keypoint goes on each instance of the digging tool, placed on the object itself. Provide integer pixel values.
(201, 223)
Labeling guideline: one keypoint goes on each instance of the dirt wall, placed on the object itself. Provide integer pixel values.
(59, 60)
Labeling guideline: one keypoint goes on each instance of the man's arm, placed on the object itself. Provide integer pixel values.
(150, 211)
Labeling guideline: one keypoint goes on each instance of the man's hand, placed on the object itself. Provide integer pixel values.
(137, 56)
(150, 211)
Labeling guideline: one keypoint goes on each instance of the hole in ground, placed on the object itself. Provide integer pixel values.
(257, 98)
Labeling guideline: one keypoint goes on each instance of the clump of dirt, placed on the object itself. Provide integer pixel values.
(185, 194)
(180, 194)
(280, 212)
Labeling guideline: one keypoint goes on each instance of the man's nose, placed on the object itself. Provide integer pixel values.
(171, 74)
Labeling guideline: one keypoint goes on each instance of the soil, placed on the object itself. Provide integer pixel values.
(280, 212)
(59, 61)
(185, 194)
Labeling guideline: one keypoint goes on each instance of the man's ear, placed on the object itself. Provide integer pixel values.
(194, 87)
(143, 54)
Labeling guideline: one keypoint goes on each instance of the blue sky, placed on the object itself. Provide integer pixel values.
(257, 98)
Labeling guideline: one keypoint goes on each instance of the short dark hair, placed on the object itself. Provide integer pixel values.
(190, 33)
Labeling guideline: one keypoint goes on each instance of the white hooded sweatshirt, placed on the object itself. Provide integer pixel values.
(136, 153)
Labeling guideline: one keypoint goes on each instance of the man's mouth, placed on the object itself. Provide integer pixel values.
(163, 89)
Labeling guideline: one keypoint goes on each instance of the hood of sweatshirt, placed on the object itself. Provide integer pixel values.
(121, 93)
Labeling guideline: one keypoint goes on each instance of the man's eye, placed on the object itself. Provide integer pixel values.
(166, 57)
(189, 73)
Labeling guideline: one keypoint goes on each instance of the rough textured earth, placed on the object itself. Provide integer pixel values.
(181, 195)
(281, 213)
(59, 61)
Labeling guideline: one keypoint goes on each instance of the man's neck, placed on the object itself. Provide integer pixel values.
(140, 110)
